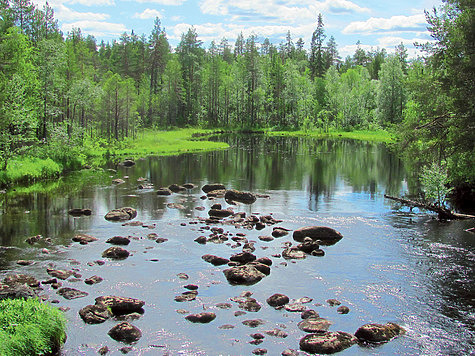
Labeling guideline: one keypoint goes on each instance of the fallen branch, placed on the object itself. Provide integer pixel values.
(443, 214)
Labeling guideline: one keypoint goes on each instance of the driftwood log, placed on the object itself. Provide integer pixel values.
(443, 214)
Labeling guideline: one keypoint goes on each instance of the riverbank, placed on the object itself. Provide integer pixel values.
(32, 169)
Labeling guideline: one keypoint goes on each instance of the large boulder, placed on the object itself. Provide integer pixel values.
(242, 197)
(246, 275)
(121, 214)
(121, 305)
(326, 235)
(327, 342)
(210, 187)
(94, 314)
(125, 332)
(376, 333)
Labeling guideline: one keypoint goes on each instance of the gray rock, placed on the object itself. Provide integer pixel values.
(61, 274)
(250, 305)
(314, 325)
(84, 239)
(343, 310)
(246, 275)
(164, 191)
(175, 188)
(254, 323)
(327, 342)
(210, 187)
(118, 240)
(116, 253)
(93, 280)
(16, 291)
(277, 300)
(277, 333)
(71, 293)
(242, 197)
(205, 317)
(293, 254)
(121, 214)
(94, 314)
(376, 333)
(243, 257)
(125, 332)
(121, 305)
(220, 213)
(215, 260)
(326, 235)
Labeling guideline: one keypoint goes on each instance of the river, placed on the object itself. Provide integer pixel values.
(392, 265)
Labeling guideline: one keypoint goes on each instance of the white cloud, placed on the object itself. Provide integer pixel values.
(91, 2)
(97, 28)
(64, 13)
(395, 23)
(163, 2)
(275, 11)
(148, 14)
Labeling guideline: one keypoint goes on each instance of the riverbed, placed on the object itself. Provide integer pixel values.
(392, 264)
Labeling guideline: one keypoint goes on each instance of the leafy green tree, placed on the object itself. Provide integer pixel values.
(391, 93)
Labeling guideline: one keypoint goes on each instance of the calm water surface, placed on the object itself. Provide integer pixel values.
(392, 264)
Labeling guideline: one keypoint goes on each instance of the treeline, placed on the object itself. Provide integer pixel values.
(69, 88)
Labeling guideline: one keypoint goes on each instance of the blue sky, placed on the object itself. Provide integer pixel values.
(375, 23)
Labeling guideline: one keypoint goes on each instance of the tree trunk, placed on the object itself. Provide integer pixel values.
(443, 214)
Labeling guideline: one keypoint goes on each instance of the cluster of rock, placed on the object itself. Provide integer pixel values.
(243, 268)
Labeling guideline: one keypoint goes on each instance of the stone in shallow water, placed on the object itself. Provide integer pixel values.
(376, 333)
(71, 293)
(121, 214)
(121, 305)
(314, 325)
(94, 314)
(118, 240)
(327, 342)
(57, 273)
(277, 300)
(116, 253)
(125, 332)
(326, 235)
(246, 275)
(204, 317)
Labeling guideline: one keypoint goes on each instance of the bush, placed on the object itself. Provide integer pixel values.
(29, 327)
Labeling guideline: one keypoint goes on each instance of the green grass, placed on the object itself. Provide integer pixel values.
(164, 143)
(28, 169)
(363, 135)
(29, 327)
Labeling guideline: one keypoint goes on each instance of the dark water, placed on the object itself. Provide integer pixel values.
(391, 265)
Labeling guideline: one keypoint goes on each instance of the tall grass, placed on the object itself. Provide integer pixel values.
(29, 327)
(28, 169)
(363, 135)
(152, 142)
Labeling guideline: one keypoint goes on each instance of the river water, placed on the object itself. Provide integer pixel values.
(392, 265)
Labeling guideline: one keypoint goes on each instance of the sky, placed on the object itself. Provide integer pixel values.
(375, 23)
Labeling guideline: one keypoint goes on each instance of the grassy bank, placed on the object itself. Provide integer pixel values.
(29, 327)
(57, 158)
(363, 135)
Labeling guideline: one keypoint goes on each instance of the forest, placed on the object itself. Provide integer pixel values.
(64, 95)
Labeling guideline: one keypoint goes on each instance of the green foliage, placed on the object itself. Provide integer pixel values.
(28, 169)
(29, 327)
(434, 181)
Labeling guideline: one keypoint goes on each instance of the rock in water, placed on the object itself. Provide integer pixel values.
(121, 214)
(326, 235)
(125, 332)
(121, 305)
(277, 300)
(201, 317)
(242, 197)
(71, 293)
(246, 275)
(378, 333)
(115, 252)
(94, 314)
(210, 187)
(327, 343)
